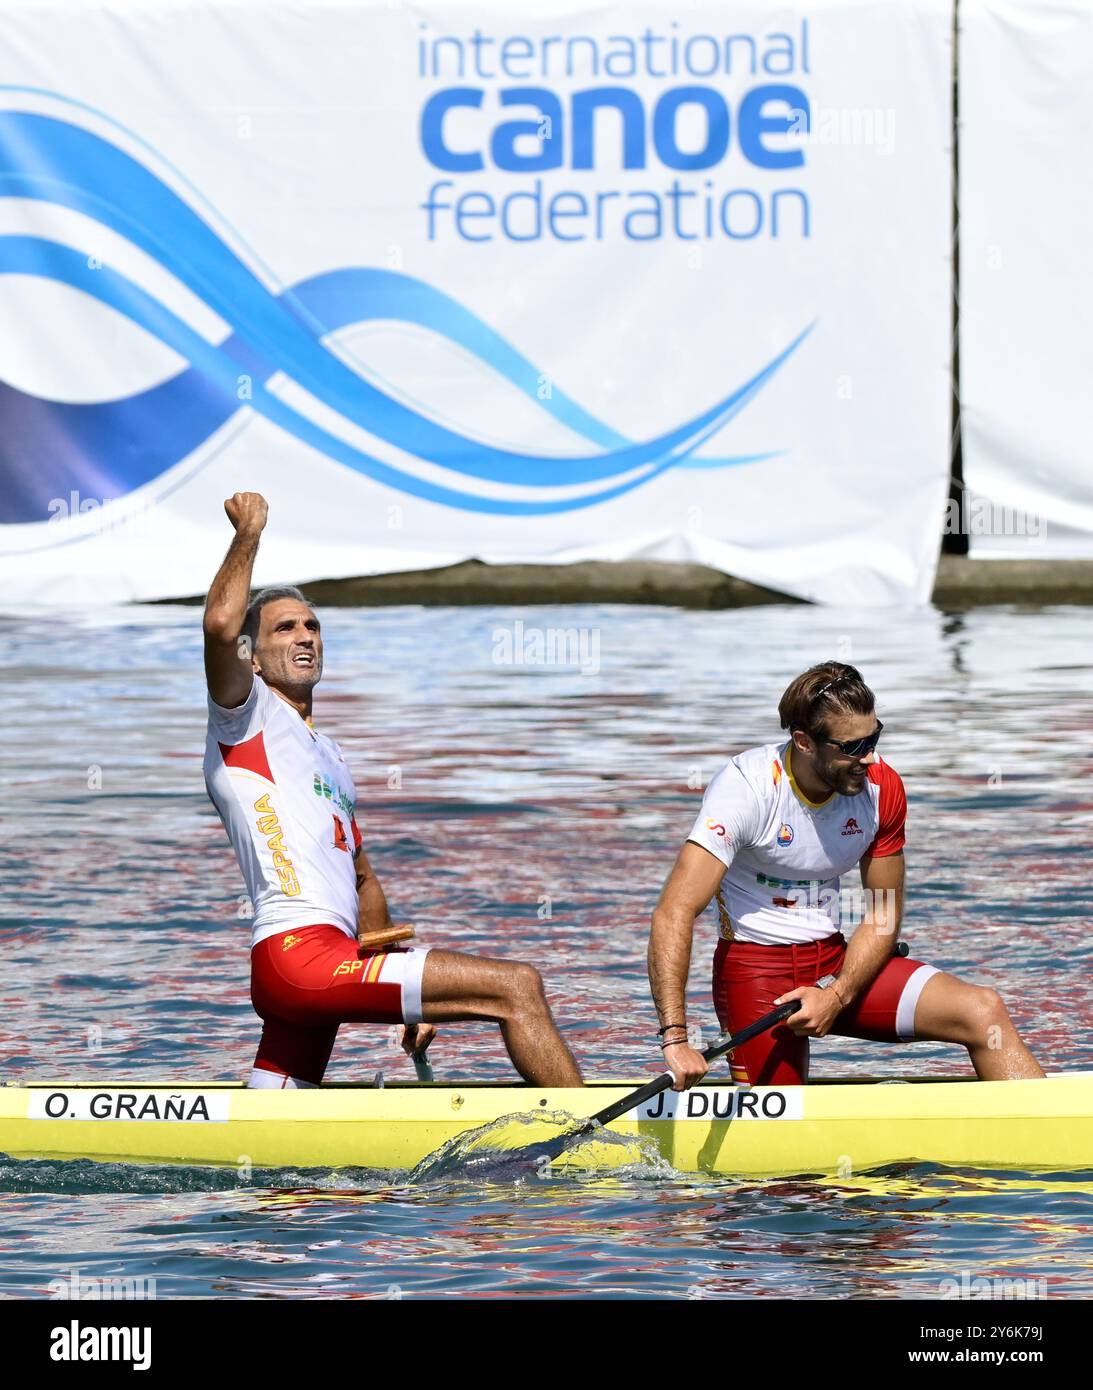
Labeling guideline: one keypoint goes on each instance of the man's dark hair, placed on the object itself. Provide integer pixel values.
(831, 688)
(259, 600)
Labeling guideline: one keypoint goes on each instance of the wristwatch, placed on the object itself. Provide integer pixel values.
(825, 981)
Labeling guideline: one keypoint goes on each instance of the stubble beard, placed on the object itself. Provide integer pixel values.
(296, 681)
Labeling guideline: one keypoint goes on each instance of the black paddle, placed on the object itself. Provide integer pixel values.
(718, 1049)
(711, 1053)
(556, 1147)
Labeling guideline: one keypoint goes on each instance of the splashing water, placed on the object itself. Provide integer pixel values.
(516, 1148)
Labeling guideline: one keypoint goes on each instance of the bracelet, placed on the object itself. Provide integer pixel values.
(674, 1042)
(667, 1026)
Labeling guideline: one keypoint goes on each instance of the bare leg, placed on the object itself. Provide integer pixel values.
(458, 989)
(949, 1010)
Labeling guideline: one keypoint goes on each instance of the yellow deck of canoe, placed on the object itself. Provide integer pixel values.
(826, 1127)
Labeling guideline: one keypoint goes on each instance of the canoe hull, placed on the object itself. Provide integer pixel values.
(824, 1128)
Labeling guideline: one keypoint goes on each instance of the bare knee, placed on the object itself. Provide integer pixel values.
(524, 989)
(984, 1017)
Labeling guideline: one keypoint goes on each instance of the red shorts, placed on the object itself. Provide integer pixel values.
(748, 978)
(305, 982)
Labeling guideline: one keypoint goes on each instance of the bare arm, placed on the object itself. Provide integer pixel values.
(228, 669)
(374, 919)
(687, 893)
(373, 914)
(875, 938)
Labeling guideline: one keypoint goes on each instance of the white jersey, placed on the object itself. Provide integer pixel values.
(286, 799)
(783, 853)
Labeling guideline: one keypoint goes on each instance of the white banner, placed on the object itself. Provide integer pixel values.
(1026, 293)
(449, 280)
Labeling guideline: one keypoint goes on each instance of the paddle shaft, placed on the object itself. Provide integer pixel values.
(717, 1049)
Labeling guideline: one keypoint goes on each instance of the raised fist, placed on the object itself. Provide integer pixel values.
(247, 512)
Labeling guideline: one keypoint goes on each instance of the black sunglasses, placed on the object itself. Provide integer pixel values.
(854, 747)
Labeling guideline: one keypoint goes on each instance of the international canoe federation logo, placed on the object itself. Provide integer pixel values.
(785, 834)
(68, 156)
(852, 827)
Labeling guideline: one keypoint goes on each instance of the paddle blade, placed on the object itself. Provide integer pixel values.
(503, 1149)
(537, 1146)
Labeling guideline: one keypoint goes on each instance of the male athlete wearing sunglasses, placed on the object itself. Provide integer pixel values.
(779, 825)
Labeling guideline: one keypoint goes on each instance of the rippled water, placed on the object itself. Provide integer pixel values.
(527, 811)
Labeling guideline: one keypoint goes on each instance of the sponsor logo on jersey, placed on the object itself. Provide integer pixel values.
(290, 941)
(785, 834)
(809, 883)
(718, 829)
(852, 827)
(270, 826)
(323, 786)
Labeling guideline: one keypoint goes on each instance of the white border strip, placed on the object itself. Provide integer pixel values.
(908, 1001)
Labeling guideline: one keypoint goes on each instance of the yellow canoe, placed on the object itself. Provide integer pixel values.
(827, 1127)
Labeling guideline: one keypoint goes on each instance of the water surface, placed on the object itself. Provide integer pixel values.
(528, 811)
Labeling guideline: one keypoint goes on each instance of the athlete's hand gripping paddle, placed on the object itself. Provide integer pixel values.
(554, 1148)
(718, 1049)
(711, 1053)
(417, 1050)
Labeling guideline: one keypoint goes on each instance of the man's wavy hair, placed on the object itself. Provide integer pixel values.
(829, 689)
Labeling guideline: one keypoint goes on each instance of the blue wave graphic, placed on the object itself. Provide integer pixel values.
(48, 448)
